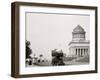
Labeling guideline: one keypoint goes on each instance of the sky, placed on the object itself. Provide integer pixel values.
(53, 31)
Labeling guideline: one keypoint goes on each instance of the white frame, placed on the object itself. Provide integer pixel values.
(36, 70)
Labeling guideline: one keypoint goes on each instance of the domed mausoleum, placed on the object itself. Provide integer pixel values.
(79, 46)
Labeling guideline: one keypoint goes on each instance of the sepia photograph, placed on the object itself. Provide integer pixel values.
(57, 39)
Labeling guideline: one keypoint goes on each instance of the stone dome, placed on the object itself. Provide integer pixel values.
(78, 29)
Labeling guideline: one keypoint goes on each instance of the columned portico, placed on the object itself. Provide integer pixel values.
(81, 51)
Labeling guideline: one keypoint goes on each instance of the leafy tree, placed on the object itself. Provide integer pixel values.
(28, 50)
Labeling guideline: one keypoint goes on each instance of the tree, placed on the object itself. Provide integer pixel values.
(28, 50)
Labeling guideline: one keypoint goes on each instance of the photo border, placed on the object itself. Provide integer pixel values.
(15, 32)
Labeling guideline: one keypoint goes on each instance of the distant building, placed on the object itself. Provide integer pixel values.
(79, 46)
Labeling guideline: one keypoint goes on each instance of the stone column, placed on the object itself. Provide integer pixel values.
(81, 52)
(87, 52)
(84, 52)
(77, 51)
(73, 52)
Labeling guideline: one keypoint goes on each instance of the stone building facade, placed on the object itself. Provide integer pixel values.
(79, 46)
